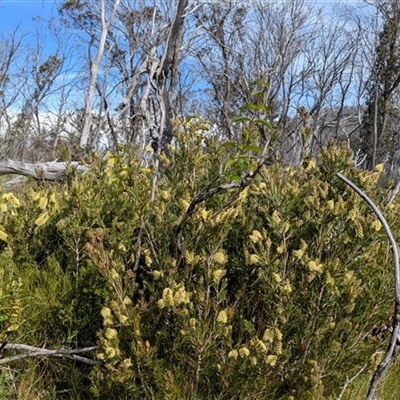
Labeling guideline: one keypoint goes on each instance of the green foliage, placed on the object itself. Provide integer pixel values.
(276, 297)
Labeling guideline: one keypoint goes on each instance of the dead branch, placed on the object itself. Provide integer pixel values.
(31, 351)
(382, 367)
(49, 171)
(353, 378)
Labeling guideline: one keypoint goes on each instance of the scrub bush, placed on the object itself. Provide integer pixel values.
(275, 295)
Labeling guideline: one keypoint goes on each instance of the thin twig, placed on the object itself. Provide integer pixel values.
(382, 367)
(348, 381)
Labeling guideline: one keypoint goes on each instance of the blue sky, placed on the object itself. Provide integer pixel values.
(20, 12)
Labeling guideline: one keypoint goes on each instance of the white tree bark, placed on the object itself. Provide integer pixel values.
(94, 70)
(49, 171)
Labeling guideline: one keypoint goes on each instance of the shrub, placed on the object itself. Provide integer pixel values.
(275, 295)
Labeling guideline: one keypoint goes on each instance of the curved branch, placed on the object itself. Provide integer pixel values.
(396, 317)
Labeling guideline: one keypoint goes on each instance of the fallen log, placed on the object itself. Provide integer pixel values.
(48, 171)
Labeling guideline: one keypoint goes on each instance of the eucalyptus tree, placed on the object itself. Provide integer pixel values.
(379, 138)
(30, 87)
(138, 61)
(305, 56)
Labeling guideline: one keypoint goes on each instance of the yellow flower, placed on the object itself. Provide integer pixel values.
(149, 149)
(279, 249)
(165, 194)
(298, 253)
(271, 360)
(42, 203)
(314, 267)
(259, 344)
(219, 258)
(376, 225)
(127, 301)
(184, 204)
(111, 333)
(244, 352)
(269, 335)
(114, 274)
(256, 236)
(254, 259)
(127, 363)
(3, 207)
(286, 288)
(157, 275)
(275, 218)
(3, 236)
(148, 260)
(11, 199)
(262, 186)
(348, 277)
(233, 354)
(111, 353)
(311, 165)
(168, 297)
(122, 318)
(35, 195)
(42, 219)
(379, 168)
(277, 277)
(331, 205)
(122, 248)
(222, 317)
(181, 296)
(192, 322)
(278, 348)
(278, 334)
(204, 214)
(218, 274)
(106, 312)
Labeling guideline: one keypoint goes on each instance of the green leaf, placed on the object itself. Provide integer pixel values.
(260, 83)
(259, 107)
(227, 144)
(256, 149)
(229, 163)
(241, 119)
(263, 122)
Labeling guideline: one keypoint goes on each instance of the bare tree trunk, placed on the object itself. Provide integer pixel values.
(169, 66)
(94, 70)
(375, 132)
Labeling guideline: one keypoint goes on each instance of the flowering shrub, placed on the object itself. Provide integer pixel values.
(275, 295)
